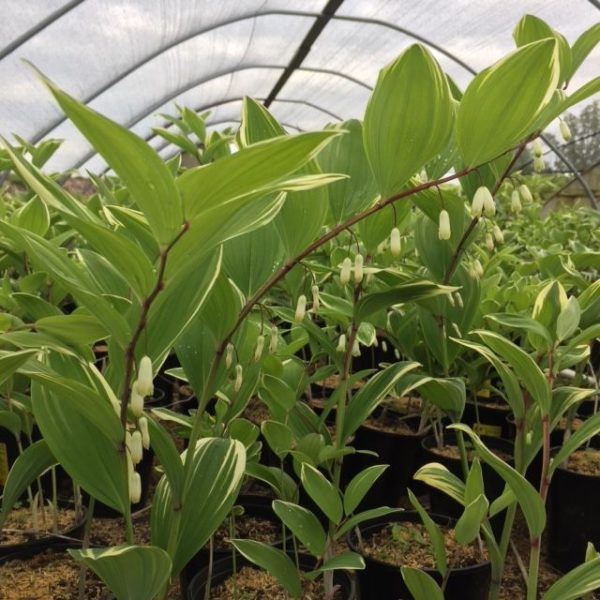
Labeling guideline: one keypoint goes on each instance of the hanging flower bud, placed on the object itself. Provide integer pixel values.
(444, 231)
(397, 353)
(274, 339)
(260, 344)
(395, 242)
(355, 348)
(384, 345)
(376, 342)
(498, 235)
(538, 164)
(565, 131)
(316, 303)
(478, 201)
(136, 447)
(137, 400)
(451, 301)
(300, 309)
(536, 148)
(515, 202)
(143, 427)
(341, 346)
(238, 378)
(135, 488)
(525, 193)
(489, 242)
(459, 300)
(144, 379)
(358, 268)
(229, 355)
(489, 205)
(478, 268)
(345, 271)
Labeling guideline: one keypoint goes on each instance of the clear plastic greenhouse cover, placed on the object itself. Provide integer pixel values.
(312, 61)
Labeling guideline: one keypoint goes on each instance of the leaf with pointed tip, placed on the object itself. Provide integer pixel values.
(421, 585)
(129, 572)
(490, 121)
(273, 560)
(32, 463)
(408, 119)
(141, 169)
(303, 524)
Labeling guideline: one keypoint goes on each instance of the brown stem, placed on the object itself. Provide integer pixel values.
(146, 305)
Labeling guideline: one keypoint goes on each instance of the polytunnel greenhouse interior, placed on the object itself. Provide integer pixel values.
(299, 300)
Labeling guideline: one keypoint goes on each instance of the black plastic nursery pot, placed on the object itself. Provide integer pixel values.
(488, 416)
(401, 451)
(383, 581)
(223, 569)
(35, 546)
(254, 506)
(573, 517)
(441, 503)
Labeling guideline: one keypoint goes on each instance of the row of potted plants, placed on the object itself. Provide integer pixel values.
(332, 302)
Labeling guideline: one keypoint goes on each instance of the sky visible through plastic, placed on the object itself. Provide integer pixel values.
(133, 59)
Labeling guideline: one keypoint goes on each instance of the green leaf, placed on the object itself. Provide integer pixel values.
(372, 393)
(322, 492)
(514, 396)
(360, 485)
(163, 445)
(439, 477)
(11, 361)
(583, 45)
(279, 437)
(474, 486)
(34, 306)
(10, 420)
(523, 322)
(210, 490)
(130, 572)
(70, 436)
(260, 169)
(532, 29)
(72, 329)
(303, 524)
(34, 217)
(527, 496)
(578, 582)
(435, 533)
(408, 119)
(399, 294)
(140, 168)
(524, 366)
(273, 560)
(490, 121)
(421, 585)
(448, 394)
(587, 431)
(469, 523)
(345, 560)
(346, 154)
(35, 459)
(73, 277)
(568, 319)
(367, 515)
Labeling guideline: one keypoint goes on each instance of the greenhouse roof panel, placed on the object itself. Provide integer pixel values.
(314, 61)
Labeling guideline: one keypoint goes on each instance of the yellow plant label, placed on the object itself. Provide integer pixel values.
(3, 464)
(491, 430)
